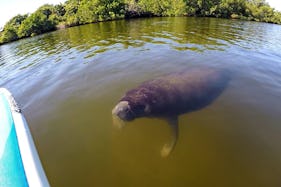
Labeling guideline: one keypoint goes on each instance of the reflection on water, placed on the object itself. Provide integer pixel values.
(68, 81)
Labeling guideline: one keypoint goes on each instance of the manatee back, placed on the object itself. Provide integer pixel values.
(184, 91)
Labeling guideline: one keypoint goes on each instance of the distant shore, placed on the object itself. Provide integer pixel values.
(79, 12)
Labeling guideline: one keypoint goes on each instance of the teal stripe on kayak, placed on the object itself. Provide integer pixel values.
(11, 166)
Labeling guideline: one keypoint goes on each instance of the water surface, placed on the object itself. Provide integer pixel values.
(68, 81)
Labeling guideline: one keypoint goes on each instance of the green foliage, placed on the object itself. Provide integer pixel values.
(202, 7)
(9, 34)
(59, 10)
(133, 9)
(259, 10)
(232, 8)
(89, 11)
(71, 8)
(76, 12)
(10, 29)
(99, 10)
(162, 7)
(39, 22)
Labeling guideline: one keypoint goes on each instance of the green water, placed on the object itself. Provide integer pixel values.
(68, 81)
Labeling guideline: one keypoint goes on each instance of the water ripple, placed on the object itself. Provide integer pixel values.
(86, 43)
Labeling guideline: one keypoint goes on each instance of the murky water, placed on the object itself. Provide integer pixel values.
(68, 81)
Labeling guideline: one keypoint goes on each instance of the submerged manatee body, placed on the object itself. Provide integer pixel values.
(171, 95)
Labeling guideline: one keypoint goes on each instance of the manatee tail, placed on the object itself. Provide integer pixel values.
(169, 147)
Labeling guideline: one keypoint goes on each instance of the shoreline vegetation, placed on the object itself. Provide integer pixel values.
(79, 12)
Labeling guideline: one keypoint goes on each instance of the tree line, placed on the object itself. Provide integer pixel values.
(78, 12)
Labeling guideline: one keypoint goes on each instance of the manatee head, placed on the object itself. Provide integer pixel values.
(126, 111)
(123, 111)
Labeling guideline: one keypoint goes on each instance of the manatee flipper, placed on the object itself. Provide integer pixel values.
(168, 148)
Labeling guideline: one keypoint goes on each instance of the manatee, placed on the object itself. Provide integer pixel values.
(171, 95)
